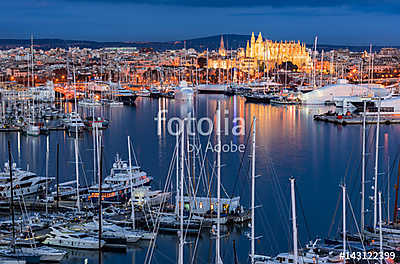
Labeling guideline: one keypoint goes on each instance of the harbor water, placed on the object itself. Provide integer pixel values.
(321, 156)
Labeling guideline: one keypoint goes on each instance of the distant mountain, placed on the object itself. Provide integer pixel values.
(231, 41)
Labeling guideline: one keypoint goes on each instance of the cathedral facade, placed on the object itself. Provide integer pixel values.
(263, 54)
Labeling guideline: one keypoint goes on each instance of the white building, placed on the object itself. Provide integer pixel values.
(342, 89)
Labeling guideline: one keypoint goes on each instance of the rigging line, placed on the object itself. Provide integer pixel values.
(156, 226)
(267, 226)
(150, 249)
(281, 200)
(303, 213)
(133, 152)
(334, 215)
(242, 158)
(355, 221)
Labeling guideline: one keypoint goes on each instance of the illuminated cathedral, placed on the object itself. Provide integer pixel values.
(264, 54)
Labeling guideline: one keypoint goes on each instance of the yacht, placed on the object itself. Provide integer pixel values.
(32, 129)
(117, 185)
(125, 96)
(184, 92)
(144, 93)
(25, 182)
(155, 92)
(112, 233)
(88, 103)
(73, 122)
(98, 122)
(35, 254)
(63, 237)
(145, 196)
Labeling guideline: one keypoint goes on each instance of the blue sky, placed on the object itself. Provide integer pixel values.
(335, 22)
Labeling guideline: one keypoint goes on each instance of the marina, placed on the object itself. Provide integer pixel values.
(274, 147)
(231, 230)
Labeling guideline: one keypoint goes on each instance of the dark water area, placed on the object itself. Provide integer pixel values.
(321, 156)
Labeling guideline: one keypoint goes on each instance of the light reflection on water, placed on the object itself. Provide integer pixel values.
(289, 143)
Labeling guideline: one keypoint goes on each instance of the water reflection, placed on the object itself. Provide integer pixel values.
(289, 143)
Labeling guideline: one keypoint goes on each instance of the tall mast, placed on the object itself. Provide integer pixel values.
(380, 228)
(130, 179)
(218, 259)
(33, 82)
(314, 54)
(76, 148)
(180, 261)
(32, 60)
(322, 67)
(12, 195)
(77, 174)
(397, 195)
(294, 224)
(363, 171)
(253, 177)
(207, 68)
(57, 173)
(376, 165)
(344, 220)
(47, 167)
(177, 170)
(94, 125)
(100, 197)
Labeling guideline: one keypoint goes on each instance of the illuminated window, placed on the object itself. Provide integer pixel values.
(201, 205)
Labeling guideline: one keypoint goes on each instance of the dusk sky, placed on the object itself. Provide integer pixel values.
(335, 22)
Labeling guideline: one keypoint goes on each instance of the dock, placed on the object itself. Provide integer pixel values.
(356, 120)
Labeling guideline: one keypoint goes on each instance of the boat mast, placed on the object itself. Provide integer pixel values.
(207, 68)
(218, 259)
(253, 176)
(177, 170)
(344, 221)
(180, 260)
(380, 228)
(57, 173)
(314, 55)
(11, 196)
(33, 82)
(363, 171)
(94, 146)
(376, 165)
(47, 168)
(130, 179)
(100, 198)
(294, 224)
(397, 195)
(76, 147)
(77, 175)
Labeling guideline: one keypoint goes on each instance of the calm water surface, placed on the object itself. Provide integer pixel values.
(290, 143)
